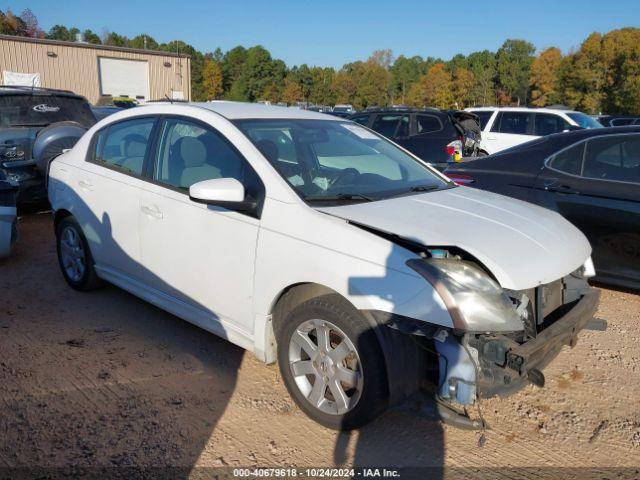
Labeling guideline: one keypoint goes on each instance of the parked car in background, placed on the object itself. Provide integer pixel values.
(24, 113)
(102, 112)
(591, 177)
(8, 216)
(359, 261)
(506, 127)
(346, 108)
(436, 136)
(618, 120)
(319, 108)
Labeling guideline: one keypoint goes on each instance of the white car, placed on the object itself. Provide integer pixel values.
(315, 242)
(506, 127)
(344, 108)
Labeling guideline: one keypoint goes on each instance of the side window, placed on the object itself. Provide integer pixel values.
(190, 153)
(512, 122)
(361, 119)
(619, 122)
(428, 124)
(484, 116)
(403, 128)
(123, 145)
(613, 158)
(569, 160)
(547, 123)
(386, 124)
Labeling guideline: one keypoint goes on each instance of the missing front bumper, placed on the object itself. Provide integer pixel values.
(506, 366)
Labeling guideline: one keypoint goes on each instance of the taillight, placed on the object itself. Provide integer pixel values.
(460, 179)
(450, 150)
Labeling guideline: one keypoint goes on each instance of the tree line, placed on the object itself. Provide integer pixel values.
(602, 75)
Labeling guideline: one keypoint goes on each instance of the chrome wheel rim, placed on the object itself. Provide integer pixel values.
(72, 254)
(326, 366)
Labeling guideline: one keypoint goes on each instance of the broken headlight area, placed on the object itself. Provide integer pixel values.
(501, 338)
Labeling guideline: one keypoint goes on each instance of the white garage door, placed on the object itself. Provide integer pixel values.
(124, 77)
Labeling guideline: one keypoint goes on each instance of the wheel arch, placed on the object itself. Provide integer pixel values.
(398, 350)
(59, 215)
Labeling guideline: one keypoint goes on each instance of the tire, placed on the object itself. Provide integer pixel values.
(360, 375)
(74, 256)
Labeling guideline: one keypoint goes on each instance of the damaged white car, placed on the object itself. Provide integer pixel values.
(314, 242)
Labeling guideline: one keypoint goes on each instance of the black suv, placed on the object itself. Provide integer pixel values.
(436, 136)
(25, 111)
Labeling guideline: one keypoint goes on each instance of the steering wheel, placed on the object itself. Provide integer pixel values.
(344, 174)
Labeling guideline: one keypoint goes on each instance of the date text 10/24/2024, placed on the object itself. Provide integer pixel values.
(315, 472)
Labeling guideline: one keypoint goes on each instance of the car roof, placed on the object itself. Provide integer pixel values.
(399, 110)
(23, 90)
(245, 110)
(522, 109)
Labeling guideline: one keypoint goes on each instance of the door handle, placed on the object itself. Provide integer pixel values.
(561, 189)
(85, 185)
(152, 211)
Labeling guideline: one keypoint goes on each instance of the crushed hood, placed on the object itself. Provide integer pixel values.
(523, 245)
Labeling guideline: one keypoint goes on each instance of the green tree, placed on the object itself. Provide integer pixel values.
(91, 37)
(232, 66)
(404, 73)
(544, 77)
(143, 41)
(483, 66)
(60, 32)
(514, 61)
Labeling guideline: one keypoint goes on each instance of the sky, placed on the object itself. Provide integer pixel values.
(334, 32)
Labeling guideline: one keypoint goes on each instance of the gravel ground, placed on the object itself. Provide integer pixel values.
(104, 379)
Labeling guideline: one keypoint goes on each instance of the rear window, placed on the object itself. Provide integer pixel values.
(43, 110)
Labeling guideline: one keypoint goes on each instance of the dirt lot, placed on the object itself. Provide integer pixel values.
(105, 379)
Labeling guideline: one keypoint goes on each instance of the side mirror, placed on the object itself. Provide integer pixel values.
(222, 192)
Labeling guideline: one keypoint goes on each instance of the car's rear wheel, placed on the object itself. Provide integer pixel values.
(332, 363)
(74, 256)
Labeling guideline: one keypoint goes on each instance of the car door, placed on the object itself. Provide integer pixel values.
(596, 185)
(548, 123)
(509, 128)
(108, 189)
(429, 138)
(200, 257)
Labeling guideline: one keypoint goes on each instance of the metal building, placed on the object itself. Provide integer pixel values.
(95, 70)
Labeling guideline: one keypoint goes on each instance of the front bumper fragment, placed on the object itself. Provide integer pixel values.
(506, 366)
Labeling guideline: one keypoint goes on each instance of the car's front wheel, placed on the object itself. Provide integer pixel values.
(332, 363)
(74, 256)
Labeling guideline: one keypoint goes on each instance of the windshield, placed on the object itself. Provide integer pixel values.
(42, 110)
(584, 121)
(338, 161)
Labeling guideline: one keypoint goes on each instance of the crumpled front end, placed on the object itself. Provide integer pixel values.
(502, 339)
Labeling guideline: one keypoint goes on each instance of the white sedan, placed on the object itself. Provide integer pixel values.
(314, 242)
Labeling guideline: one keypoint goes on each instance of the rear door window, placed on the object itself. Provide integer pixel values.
(428, 124)
(613, 158)
(517, 123)
(569, 160)
(123, 146)
(41, 110)
(548, 123)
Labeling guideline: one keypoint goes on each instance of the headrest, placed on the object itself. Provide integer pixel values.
(134, 145)
(192, 151)
(269, 149)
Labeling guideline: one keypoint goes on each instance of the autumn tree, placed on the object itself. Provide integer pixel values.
(463, 85)
(291, 93)
(544, 77)
(212, 79)
(404, 73)
(435, 89)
